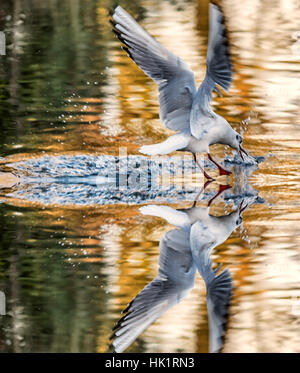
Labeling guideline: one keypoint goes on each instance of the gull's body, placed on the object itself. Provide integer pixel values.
(217, 133)
(214, 230)
(183, 108)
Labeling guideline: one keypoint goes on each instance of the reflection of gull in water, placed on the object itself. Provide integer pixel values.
(181, 252)
(176, 278)
(182, 107)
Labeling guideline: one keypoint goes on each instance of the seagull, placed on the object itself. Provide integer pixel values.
(175, 280)
(183, 108)
(205, 233)
(181, 252)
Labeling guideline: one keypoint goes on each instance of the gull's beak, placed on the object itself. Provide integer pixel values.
(242, 208)
(242, 150)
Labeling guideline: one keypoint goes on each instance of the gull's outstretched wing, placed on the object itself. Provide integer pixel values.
(172, 216)
(175, 80)
(175, 279)
(218, 72)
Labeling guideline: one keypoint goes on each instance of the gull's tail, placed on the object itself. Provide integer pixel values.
(172, 216)
(155, 149)
(173, 143)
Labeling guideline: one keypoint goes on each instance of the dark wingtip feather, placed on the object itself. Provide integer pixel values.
(127, 50)
(112, 22)
(111, 348)
(126, 312)
(117, 326)
(119, 323)
(112, 336)
(118, 34)
(128, 307)
(120, 37)
(113, 8)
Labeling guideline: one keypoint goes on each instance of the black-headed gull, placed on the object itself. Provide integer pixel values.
(181, 252)
(183, 108)
(175, 280)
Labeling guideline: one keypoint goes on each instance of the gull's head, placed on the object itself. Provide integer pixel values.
(232, 221)
(238, 214)
(238, 220)
(236, 141)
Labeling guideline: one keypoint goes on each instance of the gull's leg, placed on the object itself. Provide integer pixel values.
(201, 169)
(201, 191)
(222, 188)
(222, 171)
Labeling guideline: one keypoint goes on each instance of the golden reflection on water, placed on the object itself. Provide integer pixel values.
(265, 309)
